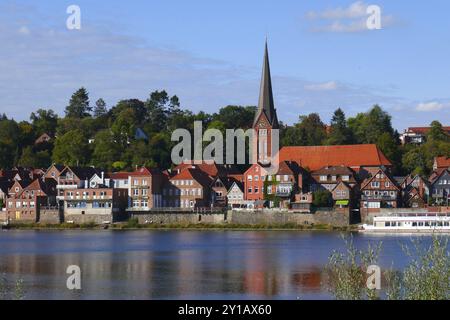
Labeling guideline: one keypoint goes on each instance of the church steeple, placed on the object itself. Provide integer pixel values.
(265, 103)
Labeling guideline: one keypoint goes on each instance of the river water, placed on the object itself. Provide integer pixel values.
(148, 264)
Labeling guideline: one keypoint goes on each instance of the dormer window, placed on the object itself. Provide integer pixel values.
(323, 178)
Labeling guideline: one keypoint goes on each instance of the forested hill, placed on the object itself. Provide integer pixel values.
(105, 136)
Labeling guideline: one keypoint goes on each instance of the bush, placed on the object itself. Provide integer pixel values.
(322, 198)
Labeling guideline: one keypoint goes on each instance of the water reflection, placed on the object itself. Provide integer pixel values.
(174, 264)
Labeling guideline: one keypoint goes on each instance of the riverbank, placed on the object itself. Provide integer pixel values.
(132, 225)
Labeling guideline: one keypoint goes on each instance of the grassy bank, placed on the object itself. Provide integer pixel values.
(133, 225)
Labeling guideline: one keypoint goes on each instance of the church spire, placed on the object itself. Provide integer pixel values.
(265, 103)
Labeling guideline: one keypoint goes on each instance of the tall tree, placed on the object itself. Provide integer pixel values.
(339, 134)
(312, 130)
(79, 105)
(100, 108)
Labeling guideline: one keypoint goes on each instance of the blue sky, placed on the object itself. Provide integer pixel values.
(209, 53)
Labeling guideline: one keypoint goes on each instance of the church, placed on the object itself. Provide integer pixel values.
(297, 162)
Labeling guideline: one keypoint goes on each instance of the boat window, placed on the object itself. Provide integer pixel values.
(420, 224)
(387, 224)
(427, 224)
(414, 224)
(446, 224)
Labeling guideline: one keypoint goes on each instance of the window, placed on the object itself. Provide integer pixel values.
(135, 182)
(345, 178)
(136, 203)
(256, 178)
(375, 184)
(135, 192)
(286, 178)
(323, 178)
(278, 178)
(250, 190)
(145, 204)
(144, 192)
(334, 178)
(250, 178)
(256, 190)
(263, 132)
(387, 184)
(144, 182)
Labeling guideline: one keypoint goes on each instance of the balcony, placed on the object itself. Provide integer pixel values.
(379, 197)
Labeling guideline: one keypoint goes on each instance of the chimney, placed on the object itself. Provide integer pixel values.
(103, 177)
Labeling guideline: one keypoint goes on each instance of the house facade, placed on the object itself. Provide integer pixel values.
(189, 189)
(83, 205)
(24, 202)
(145, 189)
(379, 191)
(440, 188)
(235, 195)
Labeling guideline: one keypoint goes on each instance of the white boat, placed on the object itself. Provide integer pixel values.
(412, 223)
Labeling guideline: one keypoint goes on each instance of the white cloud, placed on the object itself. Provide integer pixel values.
(350, 19)
(431, 106)
(355, 10)
(327, 86)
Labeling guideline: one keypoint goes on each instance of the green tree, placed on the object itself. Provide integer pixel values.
(340, 134)
(322, 198)
(415, 162)
(437, 133)
(124, 127)
(368, 127)
(72, 149)
(9, 143)
(106, 150)
(100, 109)
(32, 159)
(79, 105)
(44, 121)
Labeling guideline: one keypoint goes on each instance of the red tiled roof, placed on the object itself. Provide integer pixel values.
(120, 175)
(424, 130)
(442, 162)
(353, 156)
(194, 174)
(144, 171)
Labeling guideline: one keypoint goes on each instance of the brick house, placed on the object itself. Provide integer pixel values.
(25, 201)
(145, 189)
(254, 179)
(53, 171)
(379, 191)
(189, 189)
(88, 203)
(288, 181)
